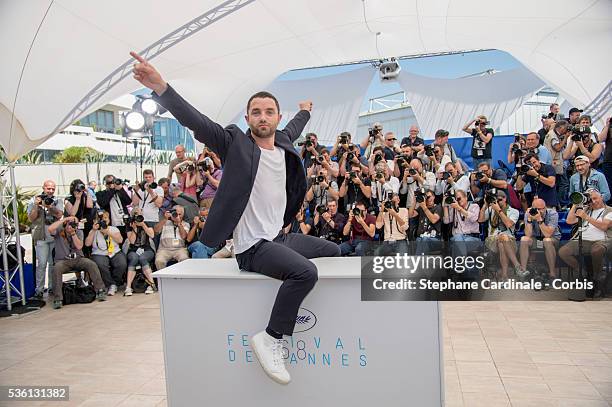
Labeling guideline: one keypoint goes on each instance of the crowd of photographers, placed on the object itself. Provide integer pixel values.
(123, 231)
(375, 196)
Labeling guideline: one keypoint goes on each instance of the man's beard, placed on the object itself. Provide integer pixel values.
(262, 133)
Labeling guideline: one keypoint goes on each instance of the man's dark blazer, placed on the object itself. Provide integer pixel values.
(240, 156)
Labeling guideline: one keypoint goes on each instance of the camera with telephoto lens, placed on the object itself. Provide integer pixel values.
(102, 224)
(185, 166)
(516, 149)
(522, 170)
(356, 211)
(580, 199)
(480, 175)
(321, 209)
(429, 151)
(137, 219)
(350, 156)
(491, 196)
(73, 224)
(318, 159)
(79, 188)
(419, 195)
(174, 214)
(378, 158)
(47, 200)
(380, 175)
(446, 175)
(308, 143)
(143, 185)
(533, 211)
(388, 205)
(449, 197)
(517, 137)
(412, 172)
(352, 175)
(202, 218)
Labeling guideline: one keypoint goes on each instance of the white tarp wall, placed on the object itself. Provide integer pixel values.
(450, 103)
(54, 53)
(336, 100)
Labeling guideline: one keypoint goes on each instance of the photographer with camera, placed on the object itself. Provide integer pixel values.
(173, 231)
(375, 138)
(555, 142)
(324, 161)
(413, 140)
(197, 249)
(43, 210)
(395, 222)
(383, 182)
(328, 222)
(547, 125)
(360, 227)
(321, 189)
(605, 136)
(541, 178)
(149, 196)
(187, 174)
(105, 241)
(69, 258)
(164, 184)
(451, 180)
(140, 251)
(341, 146)
(585, 178)
(302, 224)
(79, 202)
(208, 178)
(310, 149)
(115, 200)
(180, 157)
(501, 220)
(429, 216)
(541, 230)
(463, 216)
(416, 177)
(482, 139)
(485, 179)
(355, 188)
(595, 219)
(389, 148)
(350, 157)
(582, 142)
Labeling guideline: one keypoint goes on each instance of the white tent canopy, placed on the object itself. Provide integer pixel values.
(59, 56)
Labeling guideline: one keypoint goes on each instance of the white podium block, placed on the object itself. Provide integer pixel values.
(344, 352)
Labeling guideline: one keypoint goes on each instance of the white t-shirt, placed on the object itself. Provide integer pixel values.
(149, 210)
(263, 216)
(100, 245)
(116, 211)
(171, 237)
(591, 232)
(511, 213)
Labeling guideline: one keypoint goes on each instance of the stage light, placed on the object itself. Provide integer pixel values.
(149, 106)
(134, 121)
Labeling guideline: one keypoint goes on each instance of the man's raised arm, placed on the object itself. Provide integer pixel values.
(296, 125)
(204, 129)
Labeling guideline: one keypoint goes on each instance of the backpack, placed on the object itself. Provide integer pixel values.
(77, 295)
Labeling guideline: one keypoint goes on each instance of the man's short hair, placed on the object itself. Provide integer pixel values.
(360, 203)
(263, 95)
(324, 150)
(529, 156)
(553, 105)
(310, 134)
(561, 124)
(485, 164)
(377, 148)
(147, 172)
(441, 133)
(108, 177)
(163, 180)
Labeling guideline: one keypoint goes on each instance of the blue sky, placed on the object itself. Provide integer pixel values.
(446, 66)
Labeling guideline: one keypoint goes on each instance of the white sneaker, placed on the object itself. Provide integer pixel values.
(149, 290)
(128, 292)
(112, 289)
(269, 353)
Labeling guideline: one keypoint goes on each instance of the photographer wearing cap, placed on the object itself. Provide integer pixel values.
(197, 249)
(605, 136)
(574, 115)
(541, 230)
(149, 196)
(501, 219)
(310, 149)
(413, 140)
(115, 200)
(485, 179)
(542, 179)
(140, 251)
(328, 222)
(360, 228)
(69, 258)
(555, 142)
(595, 222)
(321, 189)
(482, 139)
(105, 241)
(43, 210)
(173, 231)
(395, 222)
(355, 187)
(208, 178)
(582, 142)
(586, 178)
(432, 155)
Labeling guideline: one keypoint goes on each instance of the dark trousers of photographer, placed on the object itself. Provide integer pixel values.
(598, 250)
(77, 264)
(389, 248)
(112, 269)
(286, 258)
(562, 185)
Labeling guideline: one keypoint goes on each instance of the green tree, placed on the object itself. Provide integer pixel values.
(76, 155)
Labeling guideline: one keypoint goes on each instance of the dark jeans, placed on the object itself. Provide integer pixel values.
(112, 269)
(562, 184)
(391, 248)
(356, 245)
(78, 264)
(606, 168)
(145, 259)
(286, 258)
